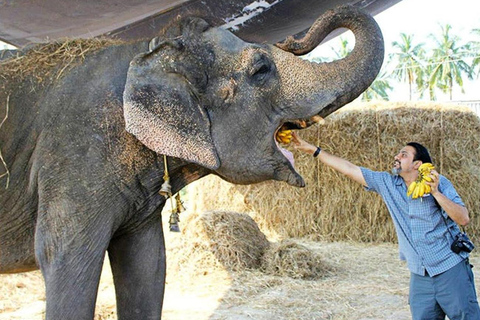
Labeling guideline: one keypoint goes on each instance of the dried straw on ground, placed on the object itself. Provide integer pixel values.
(288, 258)
(331, 207)
(227, 239)
(232, 241)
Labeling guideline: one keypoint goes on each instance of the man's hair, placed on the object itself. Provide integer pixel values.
(421, 153)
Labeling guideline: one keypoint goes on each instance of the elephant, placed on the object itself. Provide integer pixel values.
(82, 153)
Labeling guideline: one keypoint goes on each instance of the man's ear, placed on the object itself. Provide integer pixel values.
(417, 164)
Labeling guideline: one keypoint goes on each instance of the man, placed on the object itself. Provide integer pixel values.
(441, 281)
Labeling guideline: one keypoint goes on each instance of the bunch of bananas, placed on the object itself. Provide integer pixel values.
(284, 135)
(418, 187)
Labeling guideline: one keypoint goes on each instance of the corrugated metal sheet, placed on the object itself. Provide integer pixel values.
(25, 21)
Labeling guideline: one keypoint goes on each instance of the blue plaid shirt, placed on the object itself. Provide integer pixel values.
(423, 238)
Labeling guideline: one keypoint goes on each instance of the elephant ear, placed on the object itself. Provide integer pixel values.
(162, 111)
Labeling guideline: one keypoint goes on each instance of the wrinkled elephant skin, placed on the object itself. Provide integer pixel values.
(82, 153)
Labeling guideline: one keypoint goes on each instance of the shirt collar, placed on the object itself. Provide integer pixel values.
(398, 180)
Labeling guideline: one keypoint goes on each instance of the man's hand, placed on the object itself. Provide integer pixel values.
(302, 145)
(435, 176)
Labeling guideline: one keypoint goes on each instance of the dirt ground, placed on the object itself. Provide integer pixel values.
(366, 281)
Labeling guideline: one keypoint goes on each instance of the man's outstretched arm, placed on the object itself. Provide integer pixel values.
(338, 164)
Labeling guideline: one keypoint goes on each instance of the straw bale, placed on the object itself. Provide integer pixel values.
(332, 207)
(288, 258)
(228, 239)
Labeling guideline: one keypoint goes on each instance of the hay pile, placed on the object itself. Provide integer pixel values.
(232, 241)
(332, 207)
(290, 259)
(233, 238)
(51, 60)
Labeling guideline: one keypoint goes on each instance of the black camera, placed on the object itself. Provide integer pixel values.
(462, 243)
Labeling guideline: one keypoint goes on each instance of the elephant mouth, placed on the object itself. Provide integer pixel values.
(287, 154)
(298, 124)
(283, 141)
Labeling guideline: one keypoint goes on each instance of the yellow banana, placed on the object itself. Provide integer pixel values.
(421, 189)
(418, 188)
(284, 136)
(428, 189)
(426, 178)
(411, 187)
(426, 167)
(416, 191)
(284, 133)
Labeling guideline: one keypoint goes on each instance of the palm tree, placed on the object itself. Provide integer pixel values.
(475, 47)
(378, 89)
(409, 60)
(424, 80)
(448, 62)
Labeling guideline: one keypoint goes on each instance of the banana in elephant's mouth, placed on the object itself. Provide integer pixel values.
(284, 136)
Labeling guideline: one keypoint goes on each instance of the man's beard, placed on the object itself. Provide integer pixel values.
(396, 171)
(397, 168)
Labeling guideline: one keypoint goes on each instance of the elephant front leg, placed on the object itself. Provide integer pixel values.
(138, 266)
(71, 262)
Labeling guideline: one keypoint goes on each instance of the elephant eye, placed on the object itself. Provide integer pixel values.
(260, 68)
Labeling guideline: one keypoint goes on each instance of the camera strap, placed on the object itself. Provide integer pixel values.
(446, 224)
(462, 234)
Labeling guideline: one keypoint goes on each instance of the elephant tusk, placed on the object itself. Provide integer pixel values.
(317, 119)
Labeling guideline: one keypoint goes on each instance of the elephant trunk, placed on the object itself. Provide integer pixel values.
(334, 84)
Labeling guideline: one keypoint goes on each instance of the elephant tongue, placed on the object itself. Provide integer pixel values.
(288, 155)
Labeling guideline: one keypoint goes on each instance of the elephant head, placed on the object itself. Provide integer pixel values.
(206, 96)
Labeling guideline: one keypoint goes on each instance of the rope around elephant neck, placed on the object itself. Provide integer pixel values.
(173, 221)
(166, 178)
(165, 174)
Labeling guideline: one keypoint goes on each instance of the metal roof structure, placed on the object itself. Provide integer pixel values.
(23, 22)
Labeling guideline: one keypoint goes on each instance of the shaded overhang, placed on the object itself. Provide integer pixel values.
(23, 22)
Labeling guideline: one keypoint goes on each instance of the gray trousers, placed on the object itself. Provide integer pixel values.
(451, 293)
